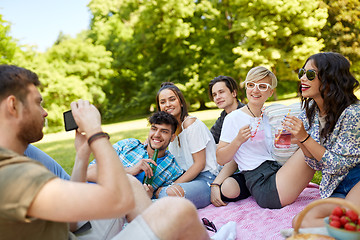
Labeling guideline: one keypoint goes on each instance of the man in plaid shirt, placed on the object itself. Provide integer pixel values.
(136, 156)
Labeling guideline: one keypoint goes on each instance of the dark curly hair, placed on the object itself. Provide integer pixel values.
(230, 83)
(164, 118)
(337, 88)
(171, 86)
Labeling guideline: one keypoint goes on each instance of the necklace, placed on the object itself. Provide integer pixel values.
(250, 110)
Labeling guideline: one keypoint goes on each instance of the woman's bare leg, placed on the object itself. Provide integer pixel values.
(293, 177)
(315, 216)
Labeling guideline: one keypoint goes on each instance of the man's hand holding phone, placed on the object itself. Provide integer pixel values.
(69, 121)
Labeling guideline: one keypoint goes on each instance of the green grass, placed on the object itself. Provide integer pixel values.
(60, 146)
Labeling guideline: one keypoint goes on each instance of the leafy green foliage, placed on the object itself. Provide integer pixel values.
(8, 45)
(342, 30)
(278, 34)
(71, 69)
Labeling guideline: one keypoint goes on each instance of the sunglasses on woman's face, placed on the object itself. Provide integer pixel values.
(310, 74)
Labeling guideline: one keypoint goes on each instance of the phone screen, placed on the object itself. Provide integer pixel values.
(69, 121)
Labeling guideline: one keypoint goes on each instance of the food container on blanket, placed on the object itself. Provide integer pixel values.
(339, 233)
(345, 223)
(334, 233)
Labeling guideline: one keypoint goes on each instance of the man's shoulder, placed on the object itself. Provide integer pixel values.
(8, 157)
(128, 142)
(170, 159)
(169, 155)
(15, 167)
(240, 104)
(235, 113)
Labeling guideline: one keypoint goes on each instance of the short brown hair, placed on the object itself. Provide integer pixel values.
(15, 80)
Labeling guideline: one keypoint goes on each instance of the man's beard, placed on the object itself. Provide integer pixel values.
(164, 146)
(30, 131)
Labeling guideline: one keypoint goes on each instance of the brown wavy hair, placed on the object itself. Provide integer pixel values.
(337, 88)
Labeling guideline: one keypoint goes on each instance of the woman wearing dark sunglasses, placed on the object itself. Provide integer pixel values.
(328, 129)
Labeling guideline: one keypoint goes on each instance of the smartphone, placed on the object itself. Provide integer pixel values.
(69, 121)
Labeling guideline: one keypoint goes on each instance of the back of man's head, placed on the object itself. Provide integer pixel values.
(15, 80)
(164, 118)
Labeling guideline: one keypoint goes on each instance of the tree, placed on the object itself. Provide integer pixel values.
(8, 45)
(71, 69)
(149, 46)
(278, 34)
(76, 68)
(342, 31)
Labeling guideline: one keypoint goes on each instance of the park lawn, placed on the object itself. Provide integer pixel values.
(60, 146)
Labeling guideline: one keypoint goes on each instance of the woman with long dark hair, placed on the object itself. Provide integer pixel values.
(328, 129)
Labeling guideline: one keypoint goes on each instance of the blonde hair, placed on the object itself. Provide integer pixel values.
(258, 73)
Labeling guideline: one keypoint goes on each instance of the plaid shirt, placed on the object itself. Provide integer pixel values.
(131, 151)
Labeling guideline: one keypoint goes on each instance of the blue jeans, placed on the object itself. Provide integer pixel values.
(197, 191)
(348, 183)
(38, 155)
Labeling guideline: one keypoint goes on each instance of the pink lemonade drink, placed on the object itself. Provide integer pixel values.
(282, 141)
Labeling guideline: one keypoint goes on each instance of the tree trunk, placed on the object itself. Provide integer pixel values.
(202, 105)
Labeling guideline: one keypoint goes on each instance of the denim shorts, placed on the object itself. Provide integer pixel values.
(351, 179)
(197, 191)
(261, 183)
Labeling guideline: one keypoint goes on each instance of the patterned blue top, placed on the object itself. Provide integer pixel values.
(131, 151)
(342, 148)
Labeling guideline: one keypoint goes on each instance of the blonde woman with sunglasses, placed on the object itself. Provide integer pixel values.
(272, 185)
(329, 129)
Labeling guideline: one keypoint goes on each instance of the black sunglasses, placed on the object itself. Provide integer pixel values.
(310, 74)
(209, 225)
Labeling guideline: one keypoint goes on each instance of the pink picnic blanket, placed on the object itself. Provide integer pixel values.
(254, 222)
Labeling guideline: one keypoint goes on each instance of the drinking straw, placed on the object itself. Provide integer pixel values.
(258, 123)
(283, 127)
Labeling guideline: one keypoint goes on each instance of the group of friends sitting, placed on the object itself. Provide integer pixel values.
(196, 166)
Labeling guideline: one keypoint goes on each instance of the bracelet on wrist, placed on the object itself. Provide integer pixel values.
(305, 139)
(215, 184)
(97, 136)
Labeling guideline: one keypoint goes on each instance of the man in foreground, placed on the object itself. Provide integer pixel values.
(35, 204)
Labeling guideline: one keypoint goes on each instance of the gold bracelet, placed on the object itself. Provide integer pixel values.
(97, 136)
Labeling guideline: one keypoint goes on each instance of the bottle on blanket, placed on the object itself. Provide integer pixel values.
(149, 180)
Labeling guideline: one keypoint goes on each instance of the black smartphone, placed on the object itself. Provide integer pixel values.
(69, 121)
